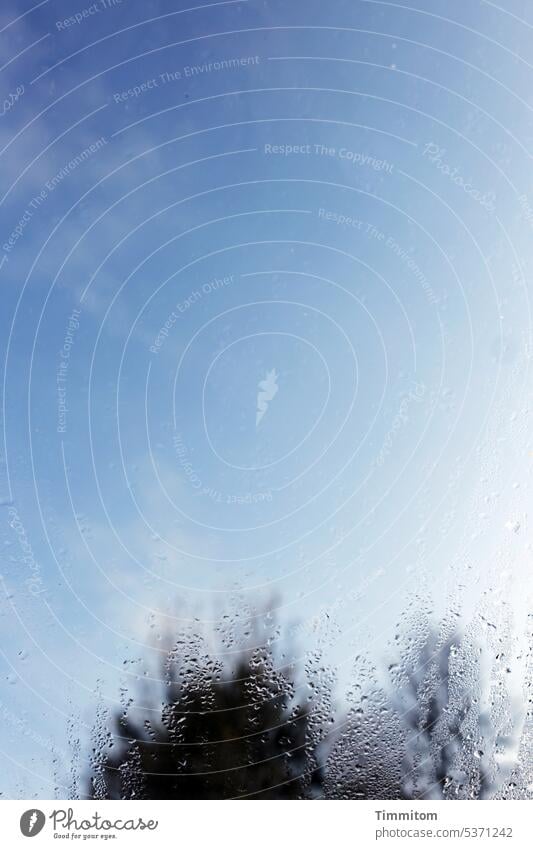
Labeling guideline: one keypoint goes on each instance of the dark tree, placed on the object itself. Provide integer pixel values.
(216, 732)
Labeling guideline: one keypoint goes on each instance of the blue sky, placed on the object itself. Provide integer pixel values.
(194, 198)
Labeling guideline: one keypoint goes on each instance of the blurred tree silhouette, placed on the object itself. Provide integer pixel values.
(216, 733)
(440, 726)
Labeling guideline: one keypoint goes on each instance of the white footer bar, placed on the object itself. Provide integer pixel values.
(267, 825)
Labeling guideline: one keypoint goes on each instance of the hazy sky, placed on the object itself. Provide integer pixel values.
(264, 327)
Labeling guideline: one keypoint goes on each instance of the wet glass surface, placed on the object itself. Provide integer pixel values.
(266, 459)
